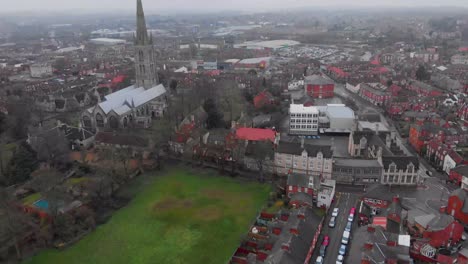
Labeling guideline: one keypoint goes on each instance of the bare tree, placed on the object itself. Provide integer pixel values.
(12, 222)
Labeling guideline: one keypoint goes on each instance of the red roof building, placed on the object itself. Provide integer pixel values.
(457, 205)
(318, 86)
(456, 174)
(255, 134)
(262, 99)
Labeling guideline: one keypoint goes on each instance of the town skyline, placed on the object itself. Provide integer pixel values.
(185, 6)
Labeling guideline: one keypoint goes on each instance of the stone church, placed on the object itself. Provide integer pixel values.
(137, 104)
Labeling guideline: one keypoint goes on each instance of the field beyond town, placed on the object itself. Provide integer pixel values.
(180, 217)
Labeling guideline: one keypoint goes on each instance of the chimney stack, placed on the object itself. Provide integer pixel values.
(377, 128)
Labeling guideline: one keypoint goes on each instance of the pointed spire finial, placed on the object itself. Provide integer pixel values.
(141, 31)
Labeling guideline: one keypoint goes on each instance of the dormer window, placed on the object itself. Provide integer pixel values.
(392, 167)
(411, 168)
(319, 155)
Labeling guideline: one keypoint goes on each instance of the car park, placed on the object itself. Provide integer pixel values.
(332, 222)
(335, 212)
(342, 250)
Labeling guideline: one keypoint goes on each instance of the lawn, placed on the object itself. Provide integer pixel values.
(177, 218)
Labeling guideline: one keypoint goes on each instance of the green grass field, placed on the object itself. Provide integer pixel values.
(177, 218)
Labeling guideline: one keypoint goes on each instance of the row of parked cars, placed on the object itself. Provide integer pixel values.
(345, 239)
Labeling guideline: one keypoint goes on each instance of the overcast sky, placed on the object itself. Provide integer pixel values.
(160, 6)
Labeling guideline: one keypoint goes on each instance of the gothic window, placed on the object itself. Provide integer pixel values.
(113, 122)
(99, 120)
(125, 122)
(144, 70)
(87, 121)
(140, 54)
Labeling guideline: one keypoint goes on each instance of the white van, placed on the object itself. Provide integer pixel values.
(345, 238)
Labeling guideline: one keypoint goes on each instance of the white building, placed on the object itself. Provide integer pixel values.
(400, 170)
(336, 118)
(326, 193)
(303, 119)
(107, 41)
(304, 159)
(41, 70)
(449, 162)
(459, 59)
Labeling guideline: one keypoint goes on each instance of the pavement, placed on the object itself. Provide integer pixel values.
(344, 201)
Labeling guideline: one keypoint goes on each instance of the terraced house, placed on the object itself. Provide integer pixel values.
(400, 170)
(305, 159)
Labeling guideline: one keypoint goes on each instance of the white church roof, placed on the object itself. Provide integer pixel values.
(122, 100)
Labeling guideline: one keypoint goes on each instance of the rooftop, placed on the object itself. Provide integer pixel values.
(300, 108)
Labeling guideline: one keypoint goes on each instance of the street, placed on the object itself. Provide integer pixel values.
(344, 201)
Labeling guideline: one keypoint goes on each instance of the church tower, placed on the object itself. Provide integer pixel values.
(145, 68)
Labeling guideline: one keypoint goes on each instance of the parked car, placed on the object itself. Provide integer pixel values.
(345, 238)
(323, 247)
(352, 211)
(350, 217)
(319, 260)
(342, 250)
(335, 212)
(348, 226)
(340, 259)
(332, 222)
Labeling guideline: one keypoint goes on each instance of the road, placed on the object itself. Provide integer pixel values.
(344, 201)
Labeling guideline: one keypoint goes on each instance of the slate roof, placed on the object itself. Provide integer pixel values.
(298, 180)
(461, 194)
(401, 162)
(424, 220)
(294, 148)
(317, 80)
(440, 222)
(463, 170)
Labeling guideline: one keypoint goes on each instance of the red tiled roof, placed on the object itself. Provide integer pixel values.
(462, 49)
(338, 71)
(255, 134)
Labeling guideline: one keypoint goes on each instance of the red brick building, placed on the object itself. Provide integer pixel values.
(442, 230)
(318, 86)
(377, 95)
(299, 184)
(420, 135)
(457, 173)
(423, 89)
(457, 205)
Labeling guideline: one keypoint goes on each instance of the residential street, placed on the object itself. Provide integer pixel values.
(344, 201)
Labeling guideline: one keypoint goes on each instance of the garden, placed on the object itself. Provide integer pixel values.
(178, 217)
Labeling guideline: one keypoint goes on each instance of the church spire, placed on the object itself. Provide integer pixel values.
(145, 63)
(141, 31)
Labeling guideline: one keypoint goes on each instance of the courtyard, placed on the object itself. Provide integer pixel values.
(179, 217)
